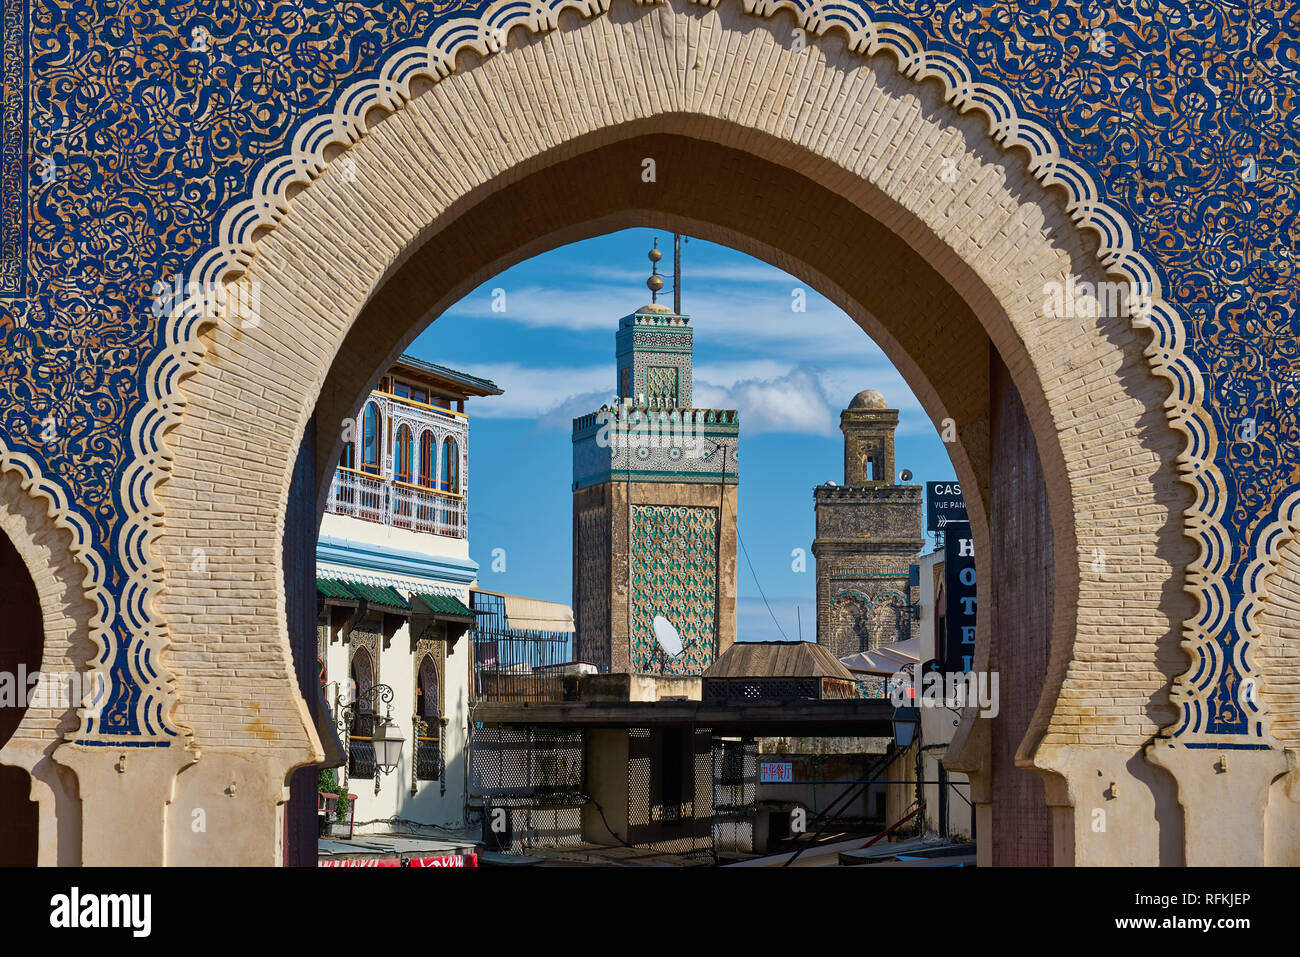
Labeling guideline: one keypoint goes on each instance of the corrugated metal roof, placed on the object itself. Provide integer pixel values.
(777, 659)
(471, 384)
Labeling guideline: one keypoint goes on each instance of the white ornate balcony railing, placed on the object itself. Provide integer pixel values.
(398, 504)
(385, 499)
(359, 495)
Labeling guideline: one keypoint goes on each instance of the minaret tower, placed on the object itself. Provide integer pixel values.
(654, 507)
(868, 536)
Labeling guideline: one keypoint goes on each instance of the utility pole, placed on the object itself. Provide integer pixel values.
(677, 273)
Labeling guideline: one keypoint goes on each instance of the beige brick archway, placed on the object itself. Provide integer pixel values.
(67, 619)
(816, 160)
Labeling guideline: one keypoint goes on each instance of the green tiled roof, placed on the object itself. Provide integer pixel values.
(383, 595)
(446, 606)
(332, 588)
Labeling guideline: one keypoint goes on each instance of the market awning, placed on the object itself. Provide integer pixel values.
(886, 660)
(443, 607)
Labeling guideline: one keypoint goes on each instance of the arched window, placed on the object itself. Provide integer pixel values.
(426, 460)
(426, 691)
(371, 426)
(402, 464)
(349, 457)
(361, 748)
(450, 466)
(362, 674)
(428, 743)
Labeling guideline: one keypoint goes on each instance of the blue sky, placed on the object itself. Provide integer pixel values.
(552, 350)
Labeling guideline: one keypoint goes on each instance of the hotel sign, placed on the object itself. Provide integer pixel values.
(943, 504)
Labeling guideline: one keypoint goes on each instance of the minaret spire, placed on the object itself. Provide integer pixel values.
(655, 282)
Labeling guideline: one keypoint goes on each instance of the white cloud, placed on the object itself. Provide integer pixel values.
(748, 315)
(842, 383)
(794, 402)
(771, 396)
(537, 392)
(693, 275)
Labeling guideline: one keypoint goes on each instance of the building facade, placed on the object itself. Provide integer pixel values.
(654, 510)
(393, 583)
(123, 405)
(868, 537)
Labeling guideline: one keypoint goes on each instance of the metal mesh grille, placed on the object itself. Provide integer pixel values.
(525, 762)
(719, 689)
(669, 778)
(517, 827)
(735, 794)
(638, 777)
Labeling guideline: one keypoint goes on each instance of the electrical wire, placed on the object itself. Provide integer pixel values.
(754, 574)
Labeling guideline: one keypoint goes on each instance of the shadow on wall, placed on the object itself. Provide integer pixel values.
(20, 654)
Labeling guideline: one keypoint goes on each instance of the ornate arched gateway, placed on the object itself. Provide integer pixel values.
(933, 174)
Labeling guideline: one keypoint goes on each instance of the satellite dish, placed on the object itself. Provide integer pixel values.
(667, 636)
(906, 475)
(831, 484)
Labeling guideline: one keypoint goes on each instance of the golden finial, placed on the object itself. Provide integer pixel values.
(655, 282)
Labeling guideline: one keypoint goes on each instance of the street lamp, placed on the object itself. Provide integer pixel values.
(905, 721)
(386, 737)
(907, 727)
(387, 742)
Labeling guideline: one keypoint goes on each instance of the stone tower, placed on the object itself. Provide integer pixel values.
(654, 508)
(868, 536)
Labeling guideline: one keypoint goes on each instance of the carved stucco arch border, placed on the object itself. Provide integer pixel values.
(1258, 575)
(390, 89)
(81, 548)
(51, 542)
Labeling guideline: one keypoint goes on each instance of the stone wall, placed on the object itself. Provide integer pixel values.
(867, 539)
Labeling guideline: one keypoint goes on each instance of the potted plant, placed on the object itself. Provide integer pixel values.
(333, 799)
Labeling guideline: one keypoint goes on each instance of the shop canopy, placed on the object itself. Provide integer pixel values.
(885, 660)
